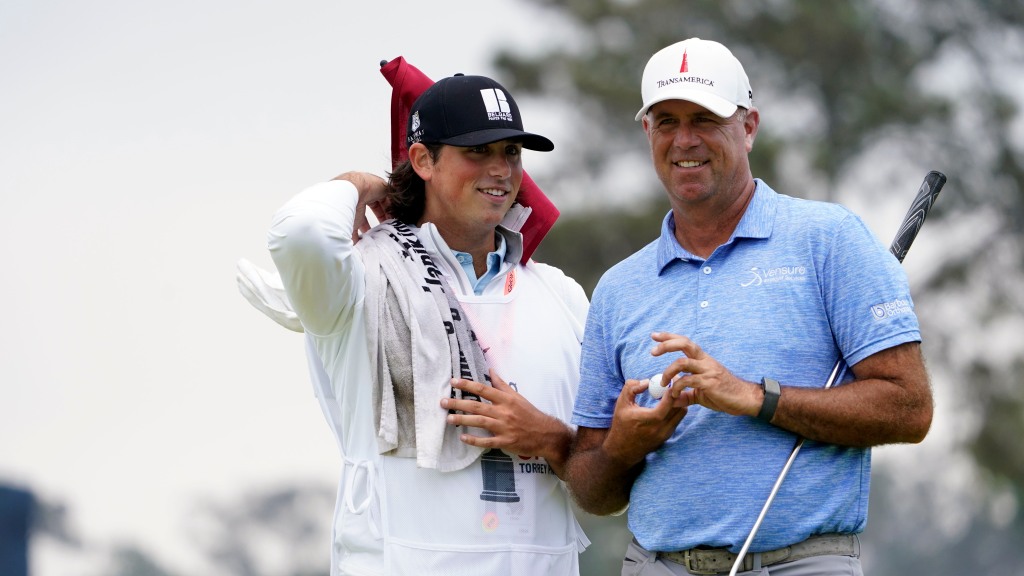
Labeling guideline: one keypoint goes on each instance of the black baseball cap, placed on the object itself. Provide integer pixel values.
(469, 111)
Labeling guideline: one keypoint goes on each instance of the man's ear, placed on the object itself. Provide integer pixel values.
(422, 163)
(750, 124)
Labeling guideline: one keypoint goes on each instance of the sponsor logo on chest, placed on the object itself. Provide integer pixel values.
(759, 276)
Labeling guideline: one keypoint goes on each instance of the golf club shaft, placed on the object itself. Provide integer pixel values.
(905, 236)
(836, 371)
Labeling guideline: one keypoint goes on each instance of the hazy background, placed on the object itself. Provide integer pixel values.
(166, 427)
(143, 149)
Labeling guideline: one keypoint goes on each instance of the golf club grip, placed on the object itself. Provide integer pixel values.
(914, 219)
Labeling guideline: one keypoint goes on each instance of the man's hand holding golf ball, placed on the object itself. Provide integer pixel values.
(697, 378)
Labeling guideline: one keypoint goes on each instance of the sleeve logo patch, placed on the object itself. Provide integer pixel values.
(897, 307)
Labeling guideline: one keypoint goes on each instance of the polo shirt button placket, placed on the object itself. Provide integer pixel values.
(707, 272)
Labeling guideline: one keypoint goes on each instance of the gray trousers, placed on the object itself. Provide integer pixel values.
(640, 562)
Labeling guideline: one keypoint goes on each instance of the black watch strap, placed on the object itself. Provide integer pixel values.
(772, 391)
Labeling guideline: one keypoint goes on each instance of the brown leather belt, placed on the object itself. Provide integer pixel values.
(718, 560)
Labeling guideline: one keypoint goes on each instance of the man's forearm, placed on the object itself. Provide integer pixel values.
(890, 402)
(861, 414)
(557, 439)
(600, 484)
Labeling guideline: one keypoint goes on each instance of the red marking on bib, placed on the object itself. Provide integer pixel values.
(510, 281)
(491, 522)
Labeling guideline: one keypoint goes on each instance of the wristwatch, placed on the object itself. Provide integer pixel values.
(772, 391)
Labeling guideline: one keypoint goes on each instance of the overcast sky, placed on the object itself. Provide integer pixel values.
(143, 149)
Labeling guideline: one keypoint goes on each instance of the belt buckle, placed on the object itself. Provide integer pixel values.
(688, 564)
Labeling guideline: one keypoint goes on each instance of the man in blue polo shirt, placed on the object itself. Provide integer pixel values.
(752, 289)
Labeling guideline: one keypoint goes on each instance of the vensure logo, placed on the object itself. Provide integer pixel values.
(758, 276)
(897, 307)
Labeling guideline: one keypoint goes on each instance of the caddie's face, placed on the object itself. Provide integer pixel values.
(473, 187)
(698, 155)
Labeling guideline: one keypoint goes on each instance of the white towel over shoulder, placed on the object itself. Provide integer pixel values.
(419, 339)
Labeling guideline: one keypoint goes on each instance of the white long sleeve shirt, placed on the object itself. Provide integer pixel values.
(500, 516)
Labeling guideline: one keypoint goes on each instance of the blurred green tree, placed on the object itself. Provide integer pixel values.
(277, 531)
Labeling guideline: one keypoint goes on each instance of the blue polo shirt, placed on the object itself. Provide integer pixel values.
(494, 260)
(799, 284)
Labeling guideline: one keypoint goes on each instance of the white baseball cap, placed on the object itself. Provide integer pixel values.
(700, 71)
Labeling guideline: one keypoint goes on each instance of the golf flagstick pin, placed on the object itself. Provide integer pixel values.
(655, 388)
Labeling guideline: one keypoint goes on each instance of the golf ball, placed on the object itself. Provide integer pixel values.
(655, 388)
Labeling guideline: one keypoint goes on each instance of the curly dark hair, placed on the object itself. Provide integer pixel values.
(406, 194)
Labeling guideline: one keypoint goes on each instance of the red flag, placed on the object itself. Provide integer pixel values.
(407, 83)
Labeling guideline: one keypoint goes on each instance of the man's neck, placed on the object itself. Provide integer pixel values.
(475, 245)
(701, 230)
